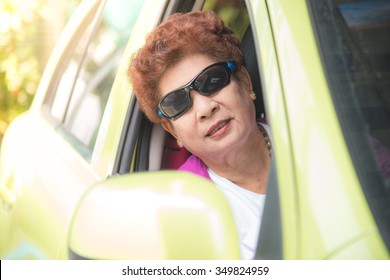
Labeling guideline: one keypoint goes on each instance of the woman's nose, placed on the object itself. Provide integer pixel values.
(204, 106)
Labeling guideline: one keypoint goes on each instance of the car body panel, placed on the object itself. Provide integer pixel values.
(44, 198)
(325, 176)
(40, 213)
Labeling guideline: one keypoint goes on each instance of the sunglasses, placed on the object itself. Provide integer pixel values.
(210, 80)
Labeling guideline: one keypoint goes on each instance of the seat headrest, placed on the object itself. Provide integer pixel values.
(248, 48)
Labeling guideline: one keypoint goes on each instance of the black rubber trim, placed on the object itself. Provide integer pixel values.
(143, 146)
(270, 244)
(128, 139)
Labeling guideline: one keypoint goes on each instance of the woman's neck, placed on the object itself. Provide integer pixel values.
(248, 167)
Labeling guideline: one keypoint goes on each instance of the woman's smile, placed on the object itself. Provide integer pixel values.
(218, 129)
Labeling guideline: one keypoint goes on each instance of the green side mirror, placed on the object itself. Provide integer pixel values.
(153, 215)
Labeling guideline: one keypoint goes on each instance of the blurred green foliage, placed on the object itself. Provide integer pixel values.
(19, 65)
(24, 50)
(233, 13)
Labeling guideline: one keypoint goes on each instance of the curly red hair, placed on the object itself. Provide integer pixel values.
(180, 36)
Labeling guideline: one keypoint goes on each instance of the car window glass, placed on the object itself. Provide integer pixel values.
(68, 77)
(96, 76)
(354, 40)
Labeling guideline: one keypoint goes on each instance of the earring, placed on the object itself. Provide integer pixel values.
(253, 94)
(179, 143)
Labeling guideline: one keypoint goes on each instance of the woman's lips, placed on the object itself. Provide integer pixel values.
(218, 128)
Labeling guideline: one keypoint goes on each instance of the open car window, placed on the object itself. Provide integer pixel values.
(354, 41)
(156, 149)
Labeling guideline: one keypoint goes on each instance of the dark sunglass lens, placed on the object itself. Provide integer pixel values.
(175, 103)
(212, 80)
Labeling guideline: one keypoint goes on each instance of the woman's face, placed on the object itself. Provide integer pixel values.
(215, 124)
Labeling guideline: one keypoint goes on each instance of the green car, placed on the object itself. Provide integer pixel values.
(84, 174)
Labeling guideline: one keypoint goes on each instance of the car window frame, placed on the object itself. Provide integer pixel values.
(270, 240)
(90, 20)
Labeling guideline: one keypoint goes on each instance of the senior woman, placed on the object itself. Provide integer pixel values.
(190, 77)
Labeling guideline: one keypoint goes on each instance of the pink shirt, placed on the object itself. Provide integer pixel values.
(195, 165)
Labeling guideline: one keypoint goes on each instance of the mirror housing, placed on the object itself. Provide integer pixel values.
(153, 215)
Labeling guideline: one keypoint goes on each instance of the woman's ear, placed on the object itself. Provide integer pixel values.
(169, 128)
(245, 79)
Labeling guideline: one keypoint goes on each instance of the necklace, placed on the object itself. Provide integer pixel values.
(266, 139)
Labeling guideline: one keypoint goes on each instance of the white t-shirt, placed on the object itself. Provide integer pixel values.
(247, 208)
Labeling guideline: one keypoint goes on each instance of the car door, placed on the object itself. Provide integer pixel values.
(321, 202)
(49, 153)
